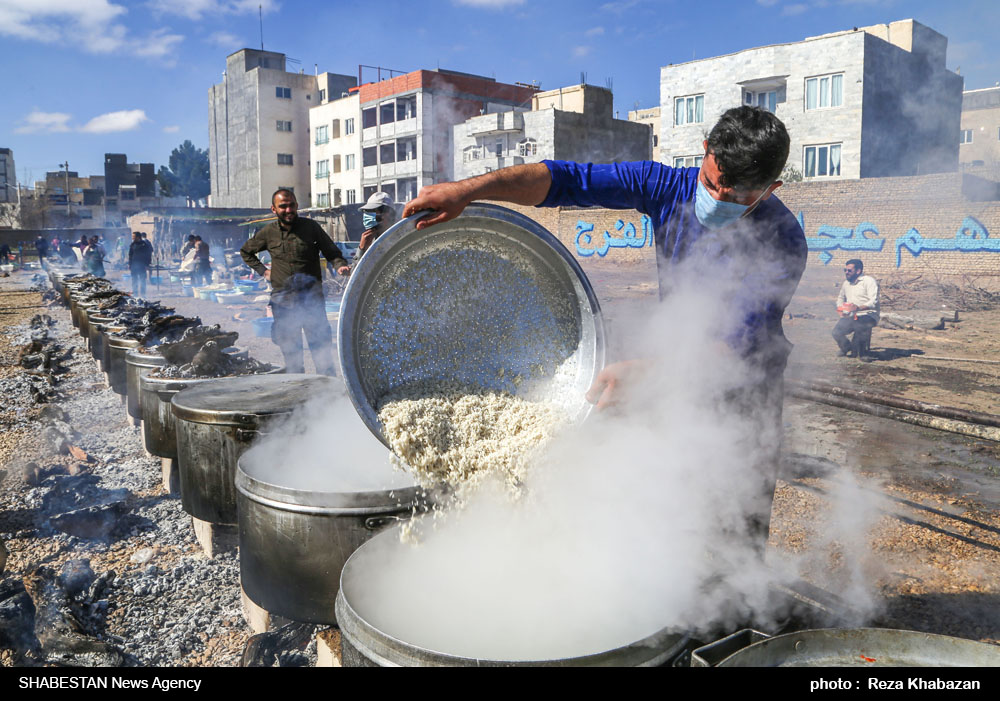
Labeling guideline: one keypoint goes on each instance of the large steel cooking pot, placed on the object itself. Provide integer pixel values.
(109, 330)
(95, 338)
(216, 423)
(295, 539)
(159, 429)
(87, 310)
(139, 361)
(850, 647)
(365, 645)
(117, 347)
(489, 299)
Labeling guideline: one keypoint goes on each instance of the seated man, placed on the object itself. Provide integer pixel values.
(858, 307)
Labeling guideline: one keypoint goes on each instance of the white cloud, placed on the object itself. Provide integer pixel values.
(172, 129)
(580, 51)
(225, 40)
(767, 3)
(595, 32)
(794, 9)
(619, 6)
(44, 122)
(123, 120)
(92, 25)
(490, 4)
(198, 9)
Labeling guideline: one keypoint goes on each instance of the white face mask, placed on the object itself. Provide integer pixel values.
(715, 214)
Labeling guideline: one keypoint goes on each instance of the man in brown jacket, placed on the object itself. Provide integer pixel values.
(296, 281)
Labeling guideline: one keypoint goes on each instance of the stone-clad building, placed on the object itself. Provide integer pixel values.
(869, 102)
(979, 138)
(574, 123)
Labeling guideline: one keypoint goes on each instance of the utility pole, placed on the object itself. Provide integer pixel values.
(66, 166)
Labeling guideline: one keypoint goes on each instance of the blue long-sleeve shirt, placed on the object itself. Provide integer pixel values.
(755, 263)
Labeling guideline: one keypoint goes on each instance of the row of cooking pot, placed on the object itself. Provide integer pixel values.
(293, 541)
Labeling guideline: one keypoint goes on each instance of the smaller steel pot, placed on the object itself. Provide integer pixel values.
(117, 348)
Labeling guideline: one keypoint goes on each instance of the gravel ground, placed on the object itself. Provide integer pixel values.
(153, 593)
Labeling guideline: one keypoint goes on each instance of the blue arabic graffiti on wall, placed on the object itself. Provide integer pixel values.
(586, 246)
(971, 237)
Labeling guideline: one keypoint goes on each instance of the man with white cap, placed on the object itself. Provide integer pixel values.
(377, 215)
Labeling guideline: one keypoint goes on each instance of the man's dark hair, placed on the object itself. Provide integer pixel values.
(750, 145)
(282, 190)
(856, 262)
(192, 237)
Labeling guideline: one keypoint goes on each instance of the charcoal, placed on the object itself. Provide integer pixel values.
(91, 521)
(264, 649)
(76, 576)
(183, 351)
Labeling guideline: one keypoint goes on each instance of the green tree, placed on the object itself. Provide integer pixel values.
(187, 175)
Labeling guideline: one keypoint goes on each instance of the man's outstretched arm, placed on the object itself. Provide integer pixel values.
(524, 184)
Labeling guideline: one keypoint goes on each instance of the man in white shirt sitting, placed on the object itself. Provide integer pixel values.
(858, 307)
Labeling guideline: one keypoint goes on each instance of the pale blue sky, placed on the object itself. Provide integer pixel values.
(87, 77)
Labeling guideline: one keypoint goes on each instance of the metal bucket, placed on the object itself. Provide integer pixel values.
(117, 347)
(294, 543)
(85, 312)
(364, 645)
(109, 330)
(217, 421)
(138, 363)
(846, 647)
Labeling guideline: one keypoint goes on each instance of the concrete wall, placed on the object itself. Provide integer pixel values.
(981, 114)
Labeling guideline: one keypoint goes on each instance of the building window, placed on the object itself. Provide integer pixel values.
(351, 196)
(323, 169)
(406, 149)
(349, 161)
(406, 189)
(406, 108)
(368, 118)
(284, 159)
(348, 126)
(387, 113)
(322, 134)
(825, 91)
(498, 150)
(322, 95)
(687, 161)
(822, 160)
(284, 93)
(369, 156)
(966, 137)
(527, 148)
(689, 110)
(765, 99)
(284, 126)
(387, 153)
(322, 199)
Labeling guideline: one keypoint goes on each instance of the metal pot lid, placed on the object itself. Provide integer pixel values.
(241, 400)
(143, 357)
(864, 647)
(489, 299)
(169, 385)
(119, 342)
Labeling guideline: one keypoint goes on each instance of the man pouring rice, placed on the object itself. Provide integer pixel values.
(719, 219)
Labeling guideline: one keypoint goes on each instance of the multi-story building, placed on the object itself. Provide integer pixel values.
(8, 176)
(336, 151)
(869, 102)
(258, 128)
(979, 135)
(574, 123)
(126, 182)
(651, 117)
(407, 121)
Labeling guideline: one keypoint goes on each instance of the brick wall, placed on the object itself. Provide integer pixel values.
(925, 223)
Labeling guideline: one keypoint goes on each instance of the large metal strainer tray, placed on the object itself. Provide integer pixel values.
(489, 299)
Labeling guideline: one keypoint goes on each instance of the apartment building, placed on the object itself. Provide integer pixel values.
(574, 123)
(258, 128)
(651, 117)
(8, 176)
(336, 151)
(868, 102)
(407, 122)
(979, 135)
